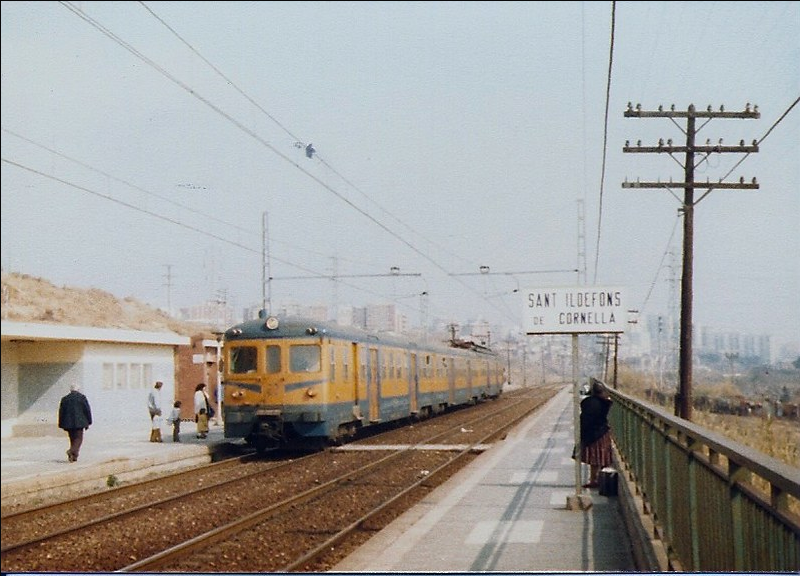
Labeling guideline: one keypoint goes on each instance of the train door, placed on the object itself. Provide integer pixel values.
(469, 379)
(355, 379)
(452, 368)
(374, 386)
(413, 384)
(275, 376)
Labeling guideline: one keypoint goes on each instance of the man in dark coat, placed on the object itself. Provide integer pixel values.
(74, 416)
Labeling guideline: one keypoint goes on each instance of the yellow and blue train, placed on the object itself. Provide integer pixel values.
(299, 383)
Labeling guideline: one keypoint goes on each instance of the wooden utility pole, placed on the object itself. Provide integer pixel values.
(683, 399)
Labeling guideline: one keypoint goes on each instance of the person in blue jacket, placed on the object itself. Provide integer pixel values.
(74, 416)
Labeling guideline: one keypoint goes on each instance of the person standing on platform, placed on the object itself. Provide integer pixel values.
(174, 418)
(202, 410)
(74, 416)
(595, 432)
(154, 407)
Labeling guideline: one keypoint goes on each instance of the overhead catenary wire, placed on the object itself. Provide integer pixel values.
(294, 137)
(168, 219)
(91, 21)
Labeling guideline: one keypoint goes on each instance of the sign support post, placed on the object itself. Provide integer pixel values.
(575, 310)
(576, 414)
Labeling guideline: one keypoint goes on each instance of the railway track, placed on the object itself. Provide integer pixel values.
(258, 515)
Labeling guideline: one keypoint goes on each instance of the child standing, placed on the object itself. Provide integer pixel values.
(175, 419)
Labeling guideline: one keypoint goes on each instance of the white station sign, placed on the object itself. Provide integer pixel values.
(574, 310)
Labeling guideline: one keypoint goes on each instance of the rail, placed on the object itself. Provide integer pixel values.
(714, 504)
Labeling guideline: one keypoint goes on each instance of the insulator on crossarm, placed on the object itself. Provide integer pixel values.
(639, 143)
(660, 142)
(709, 108)
(627, 143)
(708, 141)
(669, 142)
(672, 107)
(747, 107)
(630, 106)
(660, 108)
(741, 179)
(755, 109)
(638, 107)
(754, 180)
(755, 142)
(721, 108)
(741, 142)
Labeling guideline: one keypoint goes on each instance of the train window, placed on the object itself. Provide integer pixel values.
(244, 359)
(304, 358)
(332, 374)
(273, 359)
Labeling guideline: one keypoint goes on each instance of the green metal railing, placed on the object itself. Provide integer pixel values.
(717, 505)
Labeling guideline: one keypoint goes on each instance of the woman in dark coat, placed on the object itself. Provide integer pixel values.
(74, 416)
(595, 432)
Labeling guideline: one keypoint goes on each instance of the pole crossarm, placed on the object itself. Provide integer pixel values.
(512, 273)
(692, 112)
(694, 185)
(708, 149)
(337, 276)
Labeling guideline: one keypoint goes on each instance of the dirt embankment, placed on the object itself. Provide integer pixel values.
(31, 299)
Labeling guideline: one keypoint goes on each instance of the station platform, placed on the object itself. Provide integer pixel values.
(506, 511)
(36, 469)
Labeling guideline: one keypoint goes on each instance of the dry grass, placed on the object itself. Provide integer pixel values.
(777, 438)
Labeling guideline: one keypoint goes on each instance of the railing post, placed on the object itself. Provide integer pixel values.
(691, 445)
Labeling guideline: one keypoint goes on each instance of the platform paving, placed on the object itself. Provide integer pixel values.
(507, 511)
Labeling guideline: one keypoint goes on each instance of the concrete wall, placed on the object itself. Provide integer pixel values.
(116, 378)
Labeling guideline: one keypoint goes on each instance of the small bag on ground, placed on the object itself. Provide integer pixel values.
(608, 479)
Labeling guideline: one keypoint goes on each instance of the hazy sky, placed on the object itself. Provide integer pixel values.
(142, 143)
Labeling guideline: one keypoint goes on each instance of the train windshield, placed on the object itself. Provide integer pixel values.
(305, 358)
(244, 359)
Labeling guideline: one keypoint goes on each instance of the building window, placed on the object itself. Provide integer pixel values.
(136, 376)
(108, 376)
(121, 377)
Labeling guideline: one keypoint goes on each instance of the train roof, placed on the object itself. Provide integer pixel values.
(297, 327)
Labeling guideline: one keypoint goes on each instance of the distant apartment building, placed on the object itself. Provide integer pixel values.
(746, 346)
(385, 318)
(212, 313)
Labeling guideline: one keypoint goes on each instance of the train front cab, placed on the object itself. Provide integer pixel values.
(276, 391)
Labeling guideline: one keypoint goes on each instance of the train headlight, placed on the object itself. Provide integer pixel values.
(237, 394)
(272, 323)
(310, 392)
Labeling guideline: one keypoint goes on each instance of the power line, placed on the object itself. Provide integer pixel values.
(605, 140)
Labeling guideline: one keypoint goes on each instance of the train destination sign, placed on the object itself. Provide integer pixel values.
(574, 310)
